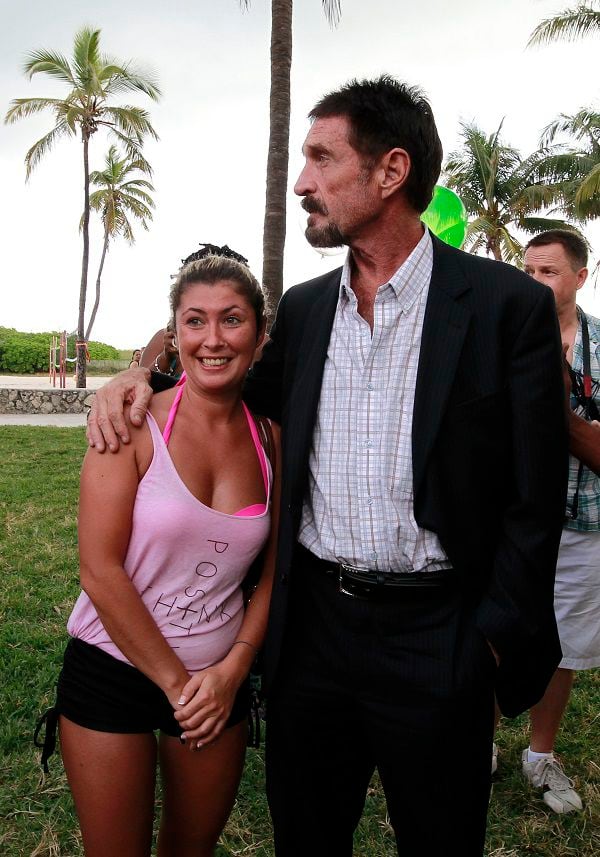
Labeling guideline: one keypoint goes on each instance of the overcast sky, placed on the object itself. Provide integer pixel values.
(212, 62)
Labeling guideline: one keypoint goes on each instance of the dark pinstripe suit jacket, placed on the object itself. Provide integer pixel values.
(489, 447)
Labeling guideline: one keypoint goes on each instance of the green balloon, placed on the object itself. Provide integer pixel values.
(446, 216)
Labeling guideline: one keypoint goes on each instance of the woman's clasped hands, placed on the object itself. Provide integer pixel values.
(205, 705)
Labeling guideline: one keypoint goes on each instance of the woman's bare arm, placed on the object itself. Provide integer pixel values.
(108, 489)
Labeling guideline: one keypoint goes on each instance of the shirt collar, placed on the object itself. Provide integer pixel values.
(407, 282)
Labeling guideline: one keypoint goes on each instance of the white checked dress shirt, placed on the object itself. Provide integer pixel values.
(359, 505)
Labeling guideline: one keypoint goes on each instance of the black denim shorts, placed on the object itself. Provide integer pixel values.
(100, 692)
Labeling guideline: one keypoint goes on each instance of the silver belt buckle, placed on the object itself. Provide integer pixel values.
(343, 566)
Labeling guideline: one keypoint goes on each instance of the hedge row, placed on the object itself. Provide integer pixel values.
(29, 352)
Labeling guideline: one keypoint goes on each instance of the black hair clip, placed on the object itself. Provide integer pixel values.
(214, 250)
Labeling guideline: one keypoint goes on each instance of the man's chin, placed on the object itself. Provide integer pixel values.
(326, 237)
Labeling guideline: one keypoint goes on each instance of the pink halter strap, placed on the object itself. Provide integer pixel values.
(252, 425)
(172, 414)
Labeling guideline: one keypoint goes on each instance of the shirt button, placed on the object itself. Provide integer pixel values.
(370, 387)
(369, 501)
(368, 444)
(374, 555)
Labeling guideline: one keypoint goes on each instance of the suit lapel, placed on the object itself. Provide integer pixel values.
(447, 316)
(306, 389)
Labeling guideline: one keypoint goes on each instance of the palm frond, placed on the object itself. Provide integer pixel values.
(20, 108)
(333, 11)
(132, 121)
(43, 145)
(534, 225)
(589, 189)
(86, 58)
(73, 117)
(583, 125)
(475, 242)
(568, 25)
(117, 78)
(132, 149)
(96, 200)
(141, 208)
(535, 197)
(511, 248)
(136, 195)
(51, 63)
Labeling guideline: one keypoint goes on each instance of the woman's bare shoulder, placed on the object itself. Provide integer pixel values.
(160, 406)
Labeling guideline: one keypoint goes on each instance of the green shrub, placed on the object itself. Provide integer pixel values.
(101, 351)
(24, 353)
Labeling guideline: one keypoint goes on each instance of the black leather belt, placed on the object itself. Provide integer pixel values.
(362, 583)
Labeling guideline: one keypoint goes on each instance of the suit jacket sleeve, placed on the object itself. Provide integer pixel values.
(517, 607)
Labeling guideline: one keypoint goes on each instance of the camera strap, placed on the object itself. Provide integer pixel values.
(589, 405)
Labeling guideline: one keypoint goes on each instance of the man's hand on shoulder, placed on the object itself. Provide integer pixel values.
(107, 426)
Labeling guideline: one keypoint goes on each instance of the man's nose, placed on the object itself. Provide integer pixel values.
(304, 183)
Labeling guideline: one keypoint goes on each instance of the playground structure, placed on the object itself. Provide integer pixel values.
(58, 359)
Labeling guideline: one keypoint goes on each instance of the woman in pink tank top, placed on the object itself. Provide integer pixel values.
(160, 637)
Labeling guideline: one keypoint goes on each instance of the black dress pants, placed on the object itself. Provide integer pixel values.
(403, 685)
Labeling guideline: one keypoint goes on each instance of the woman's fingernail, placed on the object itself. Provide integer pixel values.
(182, 700)
(199, 745)
(182, 739)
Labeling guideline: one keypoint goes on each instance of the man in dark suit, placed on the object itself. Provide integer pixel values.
(413, 557)
(424, 474)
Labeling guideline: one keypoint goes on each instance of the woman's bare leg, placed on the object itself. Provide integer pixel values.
(112, 778)
(199, 788)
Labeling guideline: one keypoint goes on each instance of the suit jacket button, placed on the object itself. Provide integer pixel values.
(284, 577)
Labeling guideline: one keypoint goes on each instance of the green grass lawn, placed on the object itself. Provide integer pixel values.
(38, 568)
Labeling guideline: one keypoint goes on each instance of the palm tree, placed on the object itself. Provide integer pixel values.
(575, 170)
(279, 135)
(570, 24)
(92, 80)
(120, 196)
(500, 190)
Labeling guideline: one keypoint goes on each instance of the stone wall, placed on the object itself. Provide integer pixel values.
(54, 401)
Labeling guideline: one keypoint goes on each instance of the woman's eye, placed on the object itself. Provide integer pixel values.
(232, 319)
(194, 322)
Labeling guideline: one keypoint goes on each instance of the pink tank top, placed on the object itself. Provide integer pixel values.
(186, 560)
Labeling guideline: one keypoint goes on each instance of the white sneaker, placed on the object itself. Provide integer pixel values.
(548, 774)
(494, 758)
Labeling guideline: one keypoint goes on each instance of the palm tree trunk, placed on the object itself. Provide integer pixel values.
(277, 162)
(81, 349)
(97, 301)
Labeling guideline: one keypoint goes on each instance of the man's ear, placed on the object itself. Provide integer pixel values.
(394, 169)
(582, 274)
